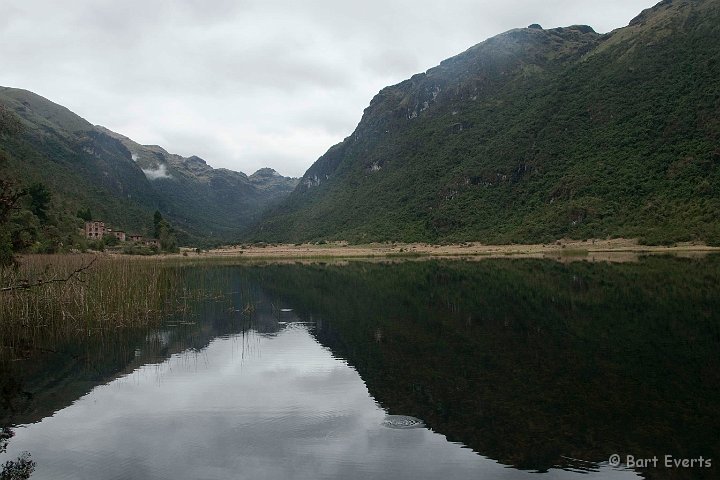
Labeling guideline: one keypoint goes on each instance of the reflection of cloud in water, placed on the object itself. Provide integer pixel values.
(289, 410)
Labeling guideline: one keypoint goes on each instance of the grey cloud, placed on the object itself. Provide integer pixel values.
(392, 62)
(226, 79)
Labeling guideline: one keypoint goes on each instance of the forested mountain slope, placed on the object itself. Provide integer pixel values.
(123, 182)
(534, 135)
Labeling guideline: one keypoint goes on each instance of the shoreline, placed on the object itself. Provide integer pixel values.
(594, 249)
(565, 251)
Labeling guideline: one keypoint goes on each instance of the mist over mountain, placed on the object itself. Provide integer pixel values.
(531, 136)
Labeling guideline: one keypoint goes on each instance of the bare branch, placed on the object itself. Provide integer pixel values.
(26, 285)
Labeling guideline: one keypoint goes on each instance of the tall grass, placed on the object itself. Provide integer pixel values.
(113, 292)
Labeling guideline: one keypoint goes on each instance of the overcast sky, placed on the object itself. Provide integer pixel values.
(246, 84)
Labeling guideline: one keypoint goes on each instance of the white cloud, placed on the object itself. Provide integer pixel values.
(157, 173)
(246, 84)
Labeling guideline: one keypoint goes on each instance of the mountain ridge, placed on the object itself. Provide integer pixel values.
(124, 182)
(533, 135)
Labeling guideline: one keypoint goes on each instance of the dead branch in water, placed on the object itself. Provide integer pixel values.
(27, 285)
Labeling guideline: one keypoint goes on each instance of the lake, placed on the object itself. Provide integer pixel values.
(499, 369)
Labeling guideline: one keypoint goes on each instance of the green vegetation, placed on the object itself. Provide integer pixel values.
(19, 469)
(32, 220)
(532, 136)
(91, 169)
(110, 293)
(85, 215)
(79, 167)
(37, 225)
(29, 220)
(165, 234)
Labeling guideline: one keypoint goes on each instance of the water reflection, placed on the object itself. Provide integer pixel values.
(288, 410)
(534, 363)
(295, 372)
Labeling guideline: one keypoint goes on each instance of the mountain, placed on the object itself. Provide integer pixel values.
(123, 182)
(204, 201)
(531, 136)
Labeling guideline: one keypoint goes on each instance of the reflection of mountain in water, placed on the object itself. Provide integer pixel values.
(532, 363)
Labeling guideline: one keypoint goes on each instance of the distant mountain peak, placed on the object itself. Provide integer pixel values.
(196, 159)
(266, 172)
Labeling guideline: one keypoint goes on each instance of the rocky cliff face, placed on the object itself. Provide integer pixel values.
(123, 182)
(533, 135)
(476, 76)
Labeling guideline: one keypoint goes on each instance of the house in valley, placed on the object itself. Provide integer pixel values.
(95, 229)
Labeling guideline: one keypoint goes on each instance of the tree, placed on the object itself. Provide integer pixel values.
(10, 196)
(111, 240)
(165, 233)
(84, 214)
(39, 200)
(168, 242)
(19, 469)
(10, 193)
(24, 229)
(157, 220)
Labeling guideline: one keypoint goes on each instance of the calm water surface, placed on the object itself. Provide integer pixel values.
(515, 369)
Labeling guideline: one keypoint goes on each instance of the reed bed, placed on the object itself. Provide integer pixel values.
(55, 299)
(80, 292)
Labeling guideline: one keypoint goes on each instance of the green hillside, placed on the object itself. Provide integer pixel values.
(215, 204)
(122, 182)
(80, 165)
(534, 135)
